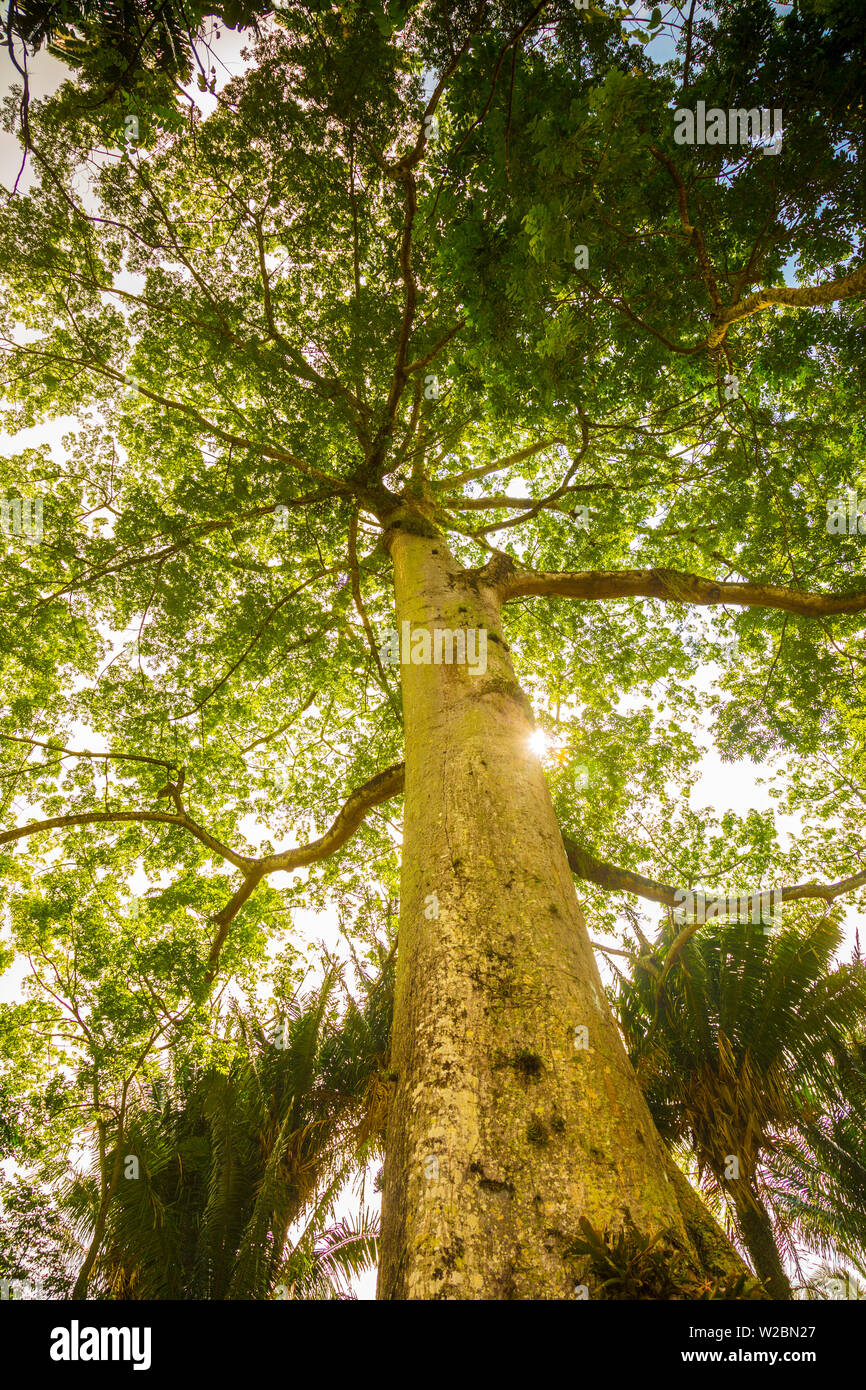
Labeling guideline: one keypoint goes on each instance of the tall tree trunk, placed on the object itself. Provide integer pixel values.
(757, 1233)
(505, 1129)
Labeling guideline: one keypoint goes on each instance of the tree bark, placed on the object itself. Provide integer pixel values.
(108, 1187)
(505, 1129)
(718, 1258)
(757, 1234)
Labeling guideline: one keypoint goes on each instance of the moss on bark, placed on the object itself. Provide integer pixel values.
(492, 1161)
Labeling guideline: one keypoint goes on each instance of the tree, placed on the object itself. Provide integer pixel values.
(817, 1183)
(124, 48)
(212, 1173)
(111, 989)
(743, 1034)
(221, 1165)
(417, 248)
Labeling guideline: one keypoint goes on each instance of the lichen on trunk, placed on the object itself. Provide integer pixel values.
(516, 1111)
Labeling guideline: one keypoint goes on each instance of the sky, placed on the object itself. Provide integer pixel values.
(735, 786)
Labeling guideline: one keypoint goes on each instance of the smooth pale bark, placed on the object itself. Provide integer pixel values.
(504, 1131)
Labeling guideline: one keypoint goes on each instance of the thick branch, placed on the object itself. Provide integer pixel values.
(407, 320)
(674, 587)
(380, 788)
(240, 861)
(804, 297)
(363, 615)
(224, 919)
(585, 865)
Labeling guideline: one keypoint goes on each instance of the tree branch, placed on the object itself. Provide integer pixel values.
(379, 788)
(692, 231)
(84, 577)
(804, 297)
(86, 753)
(241, 441)
(240, 861)
(545, 502)
(671, 586)
(470, 475)
(421, 362)
(807, 296)
(362, 613)
(585, 866)
(224, 919)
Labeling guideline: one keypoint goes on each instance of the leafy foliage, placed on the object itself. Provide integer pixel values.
(747, 1044)
(229, 1173)
(268, 327)
(631, 1265)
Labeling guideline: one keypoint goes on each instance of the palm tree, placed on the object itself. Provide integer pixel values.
(816, 1177)
(236, 1172)
(119, 46)
(743, 1042)
(116, 40)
